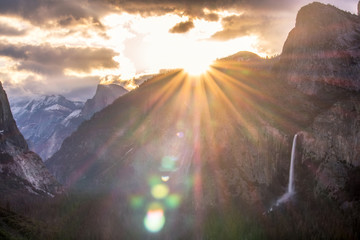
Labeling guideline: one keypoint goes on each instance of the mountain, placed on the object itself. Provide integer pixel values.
(243, 56)
(104, 96)
(203, 150)
(322, 51)
(21, 171)
(46, 121)
(321, 58)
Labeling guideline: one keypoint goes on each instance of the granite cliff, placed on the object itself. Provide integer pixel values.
(321, 59)
(21, 171)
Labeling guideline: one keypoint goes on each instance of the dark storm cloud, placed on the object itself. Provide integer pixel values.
(182, 27)
(6, 30)
(50, 61)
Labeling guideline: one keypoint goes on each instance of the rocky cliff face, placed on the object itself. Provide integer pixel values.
(331, 150)
(322, 51)
(20, 169)
(321, 59)
(9, 130)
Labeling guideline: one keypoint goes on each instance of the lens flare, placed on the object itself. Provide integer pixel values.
(154, 180)
(159, 191)
(180, 134)
(165, 178)
(168, 163)
(154, 220)
(173, 201)
(136, 202)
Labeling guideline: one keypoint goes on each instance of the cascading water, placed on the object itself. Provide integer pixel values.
(290, 190)
(291, 171)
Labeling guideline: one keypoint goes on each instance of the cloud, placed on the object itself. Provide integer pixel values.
(77, 88)
(12, 51)
(195, 9)
(270, 30)
(39, 70)
(128, 84)
(243, 25)
(212, 17)
(68, 12)
(6, 30)
(48, 60)
(182, 27)
(51, 13)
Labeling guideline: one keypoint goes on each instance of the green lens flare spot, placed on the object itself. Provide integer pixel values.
(168, 163)
(173, 201)
(136, 202)
(154, 180)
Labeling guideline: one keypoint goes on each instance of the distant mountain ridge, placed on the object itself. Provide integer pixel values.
(47, 120)
(104, 96)
(243, 56)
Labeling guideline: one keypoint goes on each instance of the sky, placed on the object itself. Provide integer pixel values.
(67, 47)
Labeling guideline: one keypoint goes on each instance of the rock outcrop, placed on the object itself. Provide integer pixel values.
(104, 96)
(322, 51)
(331, 149)
(321, 59)
(21, 171)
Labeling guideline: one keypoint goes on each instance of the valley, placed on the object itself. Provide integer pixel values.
(253, 148)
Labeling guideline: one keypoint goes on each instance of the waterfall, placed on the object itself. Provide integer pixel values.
(285, 197)
(291, 171)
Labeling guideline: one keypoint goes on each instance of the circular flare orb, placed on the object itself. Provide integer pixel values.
(159, 191)
(155, 219)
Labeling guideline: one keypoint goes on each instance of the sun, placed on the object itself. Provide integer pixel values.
(197, 68)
